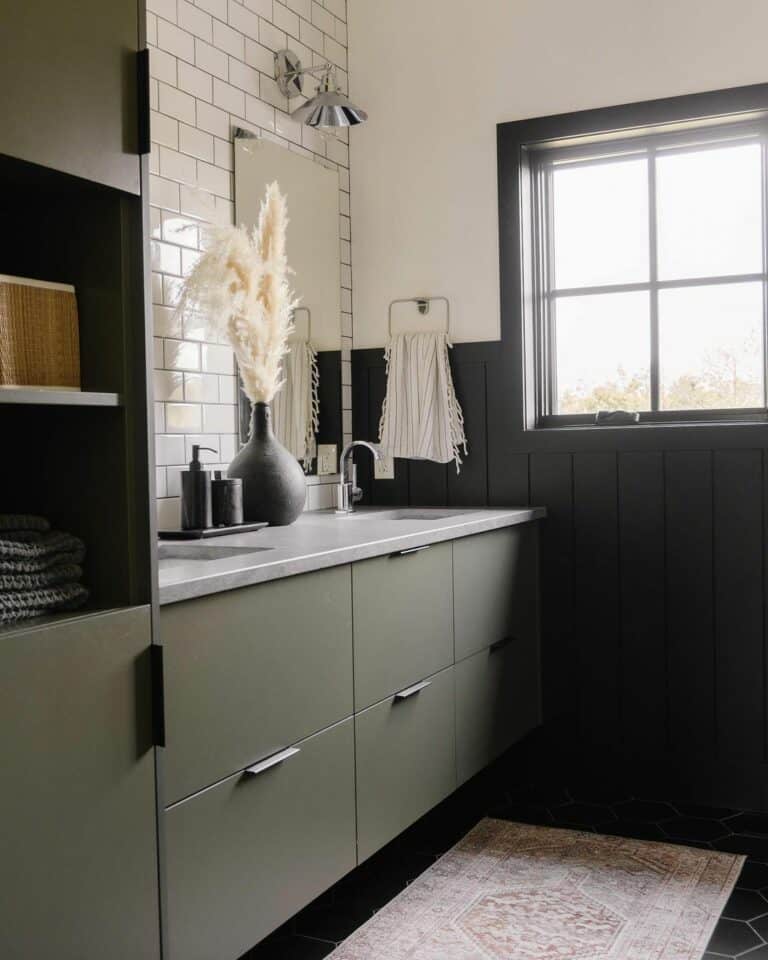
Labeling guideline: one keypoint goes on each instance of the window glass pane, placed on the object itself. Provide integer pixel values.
(711, 346)
(600, 219)
(709, 205)
(603, 352)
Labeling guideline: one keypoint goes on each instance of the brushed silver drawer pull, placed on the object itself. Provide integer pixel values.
(409, 550)
(500, 644)
(272, 761)
(410, 691)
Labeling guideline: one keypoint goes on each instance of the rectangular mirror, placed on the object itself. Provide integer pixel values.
(313, 248)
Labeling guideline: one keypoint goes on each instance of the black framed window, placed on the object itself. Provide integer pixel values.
(644, 280)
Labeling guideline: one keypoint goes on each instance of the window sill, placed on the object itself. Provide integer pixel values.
(645, 425)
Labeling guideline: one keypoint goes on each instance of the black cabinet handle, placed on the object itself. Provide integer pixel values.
(144, 145)
(409, 550)
(500, 644)
(158, 694)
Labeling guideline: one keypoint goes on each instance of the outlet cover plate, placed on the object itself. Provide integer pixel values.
(327, 459)
(384, 469)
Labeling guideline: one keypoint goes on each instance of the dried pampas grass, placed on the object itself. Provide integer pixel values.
(239, 287)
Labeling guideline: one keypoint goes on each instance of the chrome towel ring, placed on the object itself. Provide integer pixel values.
(423, 305)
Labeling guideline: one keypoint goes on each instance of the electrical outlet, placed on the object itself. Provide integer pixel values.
(384, 469)
(327, 459)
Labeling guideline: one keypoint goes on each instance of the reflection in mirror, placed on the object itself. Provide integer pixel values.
(307, 411)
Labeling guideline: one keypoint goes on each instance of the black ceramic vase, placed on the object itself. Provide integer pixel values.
(274, 487)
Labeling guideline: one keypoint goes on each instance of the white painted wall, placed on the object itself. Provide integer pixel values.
(437, 76)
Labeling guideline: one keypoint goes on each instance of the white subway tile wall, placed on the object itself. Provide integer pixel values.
(212, 70)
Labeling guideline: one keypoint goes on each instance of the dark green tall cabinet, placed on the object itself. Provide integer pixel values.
(78, 834)
(68, 97)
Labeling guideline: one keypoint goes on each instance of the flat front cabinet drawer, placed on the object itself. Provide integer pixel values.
(405, 756)
(250, 671)
(245, 855)
(495, 587)
(497, 703)
(403, 621)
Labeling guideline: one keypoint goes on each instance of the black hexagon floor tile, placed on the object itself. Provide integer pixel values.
(602, 794)
(700, 810)
(760, 926)
(649, 811)
(691, 828)
(755, 824)
(635, 830)
(759, 953)
(540, 794)
(745, 905)
(581, 814)
(753, 876)
(732, 937)
(290, 948)
(754, 847)
(324, 923)
(522, 813)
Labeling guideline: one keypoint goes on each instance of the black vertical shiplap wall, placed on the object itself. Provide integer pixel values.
(653, 581)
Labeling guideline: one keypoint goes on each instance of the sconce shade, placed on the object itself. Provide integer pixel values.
(329, 108)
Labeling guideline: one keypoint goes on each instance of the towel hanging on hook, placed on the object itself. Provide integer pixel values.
(421, 418)
(296, 407)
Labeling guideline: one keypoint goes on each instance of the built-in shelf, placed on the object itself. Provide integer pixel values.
(70, 398)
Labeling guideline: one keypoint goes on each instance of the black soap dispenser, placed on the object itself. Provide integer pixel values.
(196, 493)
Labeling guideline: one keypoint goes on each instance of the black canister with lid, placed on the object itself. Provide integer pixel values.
(227, 500)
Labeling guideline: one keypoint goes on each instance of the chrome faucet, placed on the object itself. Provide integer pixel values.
(348, 493)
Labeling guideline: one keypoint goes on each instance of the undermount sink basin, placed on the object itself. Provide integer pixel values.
(188, 552)
(416, 513)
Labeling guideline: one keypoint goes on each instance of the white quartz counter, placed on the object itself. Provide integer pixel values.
(194, 568)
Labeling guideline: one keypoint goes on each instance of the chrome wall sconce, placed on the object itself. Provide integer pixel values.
(329, 107)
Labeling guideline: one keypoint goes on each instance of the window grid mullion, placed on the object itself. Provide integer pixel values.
(551, 307)
(654, 277)
(764, 210)
(660, 284)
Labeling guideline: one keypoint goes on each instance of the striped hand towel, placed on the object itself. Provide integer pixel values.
(295, 408)
(421, 417)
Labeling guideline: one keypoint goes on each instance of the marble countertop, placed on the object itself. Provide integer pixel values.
(195, 568)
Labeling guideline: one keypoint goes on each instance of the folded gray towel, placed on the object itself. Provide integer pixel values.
(42, 551)
(23, 521)
(61, 573)
(22, 604)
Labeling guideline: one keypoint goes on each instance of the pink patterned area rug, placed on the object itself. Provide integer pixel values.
(509, 891)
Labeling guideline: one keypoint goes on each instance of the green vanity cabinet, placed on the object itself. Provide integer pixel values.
(268, 672)
(405, 760)
(495, 587)
(403, 620)
(78, 867)
(498, 701)
(248, 672)
(245, 855)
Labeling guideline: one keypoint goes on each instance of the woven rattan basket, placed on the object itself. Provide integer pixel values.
(39, 336)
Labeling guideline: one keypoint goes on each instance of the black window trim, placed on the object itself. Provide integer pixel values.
(743, 110)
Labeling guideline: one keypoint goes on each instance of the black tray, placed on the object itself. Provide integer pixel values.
(206, 532)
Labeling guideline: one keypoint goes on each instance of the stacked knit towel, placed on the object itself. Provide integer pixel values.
(40, 569)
